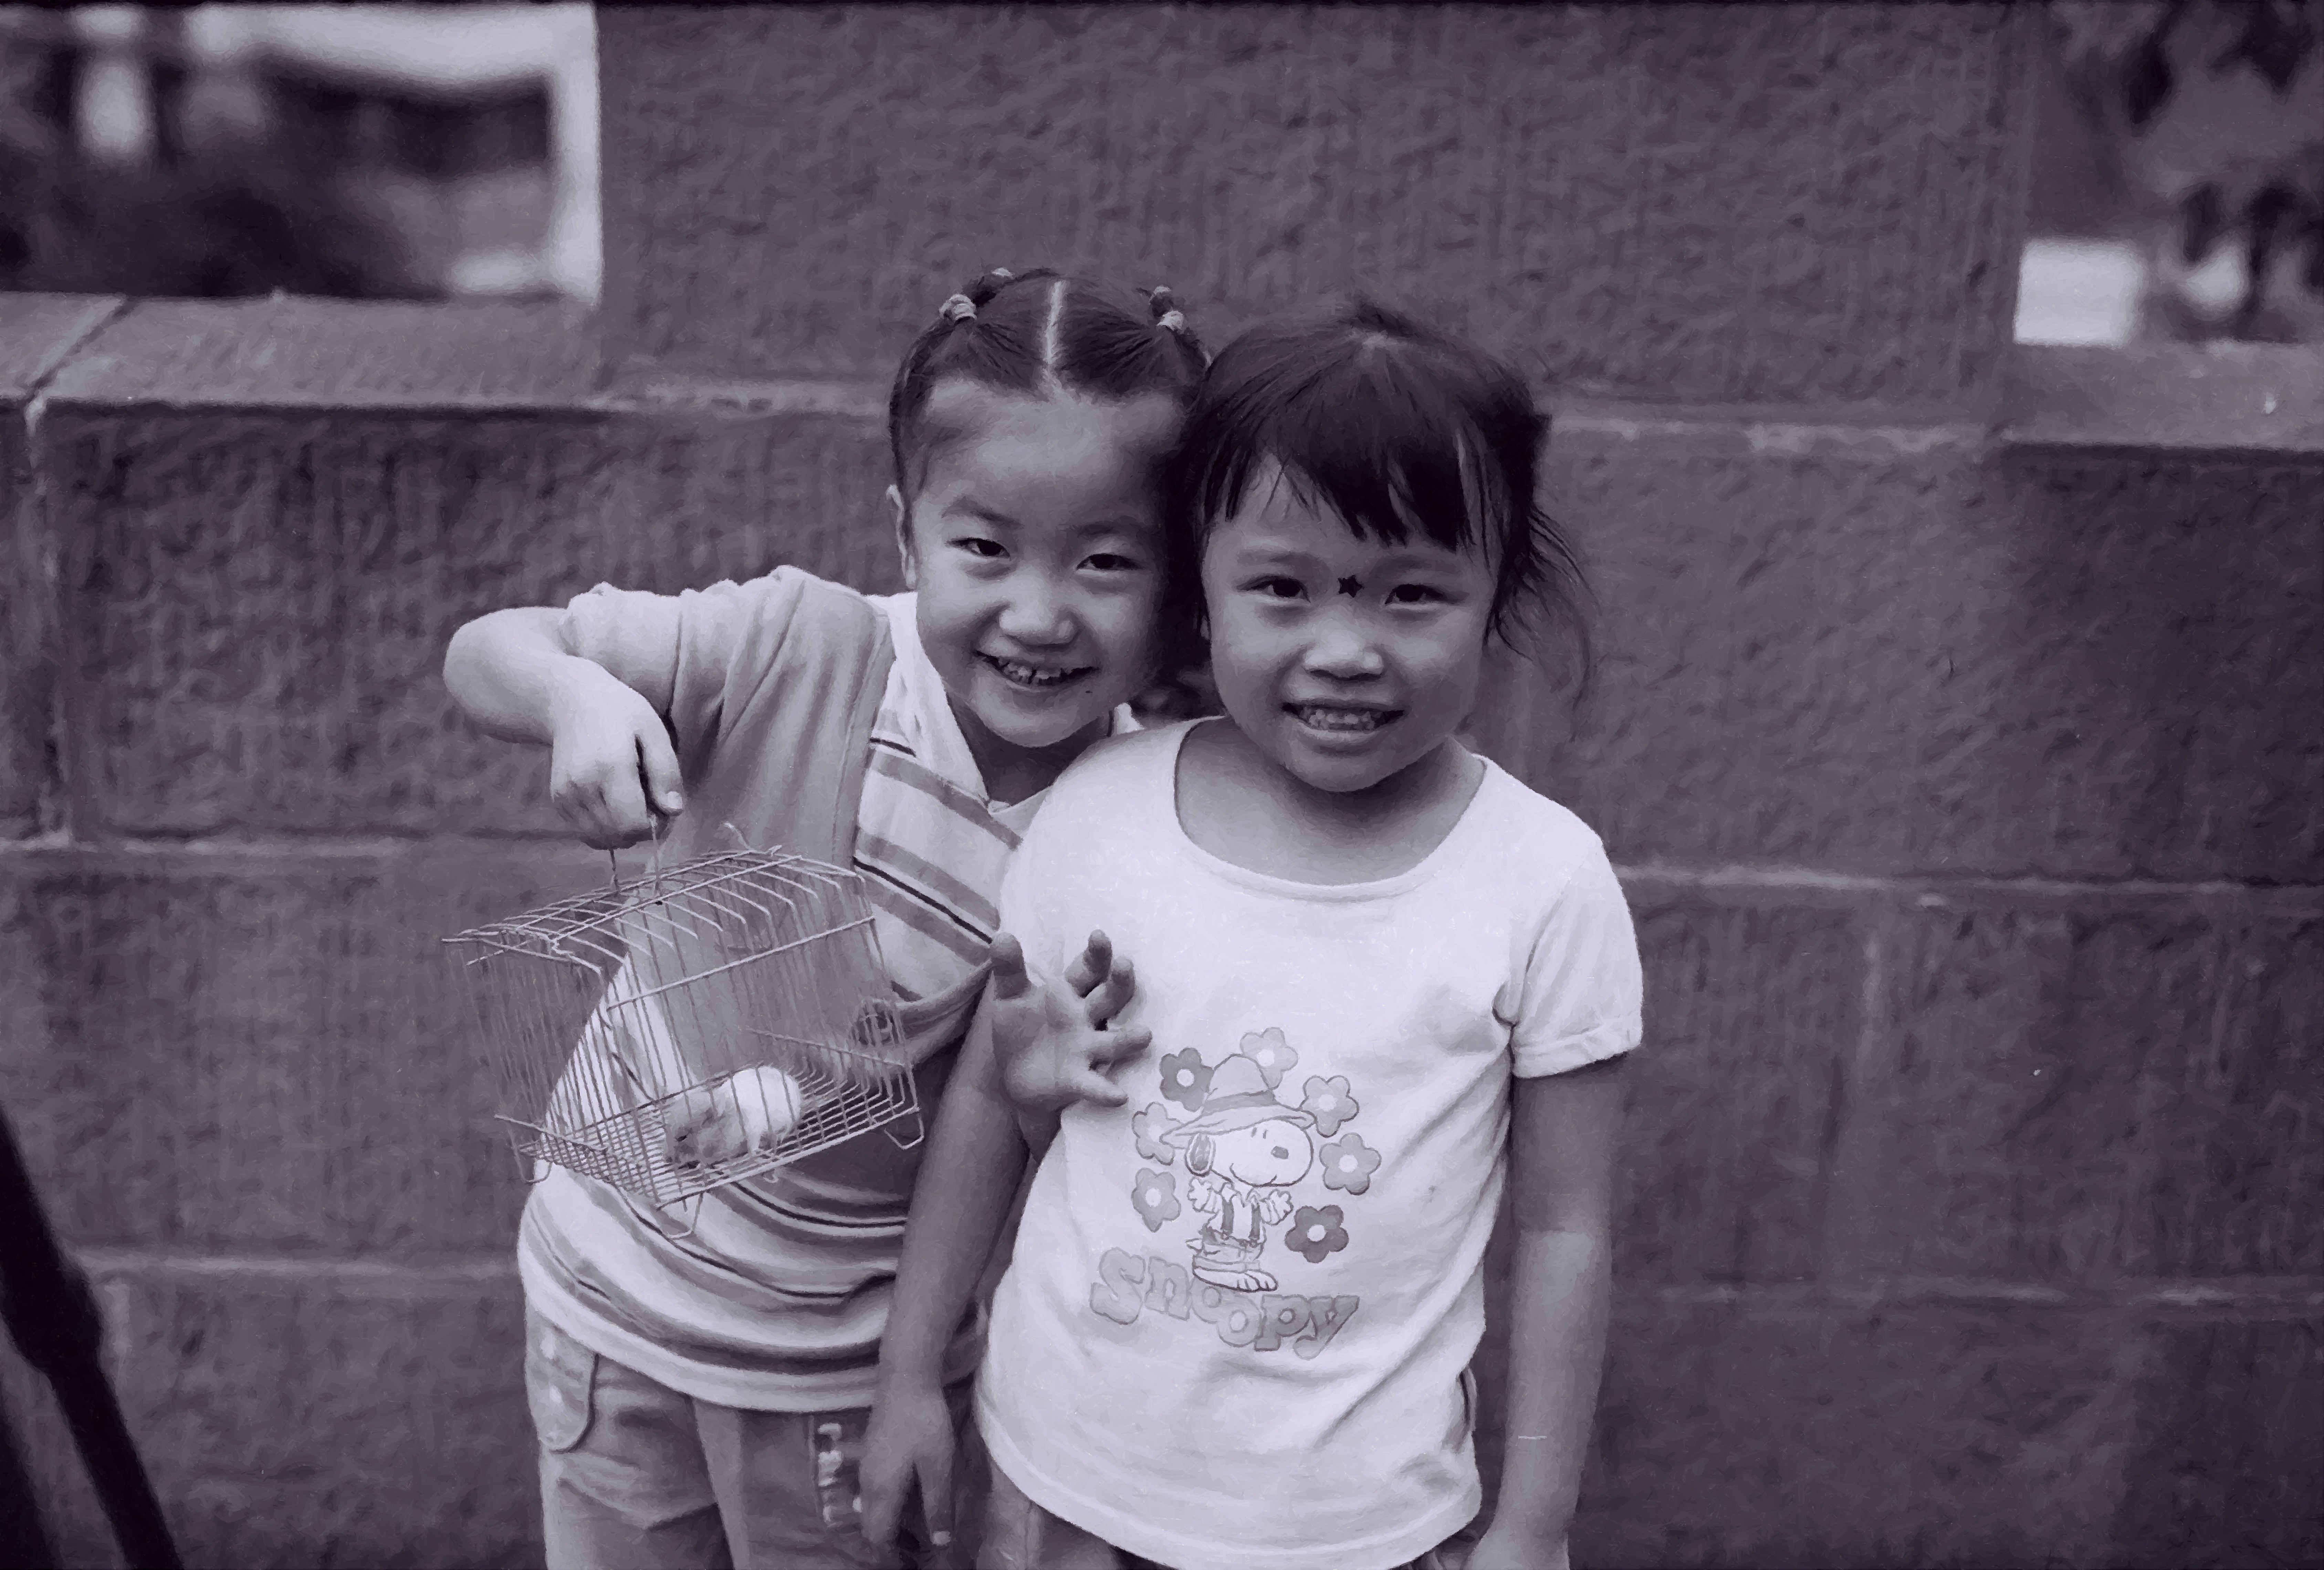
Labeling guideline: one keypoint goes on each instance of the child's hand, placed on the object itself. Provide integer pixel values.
(1052, 1043)
(608, 754)
(908, 1442)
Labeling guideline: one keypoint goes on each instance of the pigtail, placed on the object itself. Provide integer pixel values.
(961, 305)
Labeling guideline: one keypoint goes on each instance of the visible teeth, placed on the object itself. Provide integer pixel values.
(1341, 719)
(1026, 675)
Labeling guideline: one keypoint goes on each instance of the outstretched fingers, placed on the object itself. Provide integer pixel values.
(1112, 995)
(1088, 1085)
(1008, 979)
(1112, 1048)
(1092, 966)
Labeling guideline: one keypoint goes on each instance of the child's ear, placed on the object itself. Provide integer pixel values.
(903, 520)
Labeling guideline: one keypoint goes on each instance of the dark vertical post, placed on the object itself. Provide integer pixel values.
(53, 1319)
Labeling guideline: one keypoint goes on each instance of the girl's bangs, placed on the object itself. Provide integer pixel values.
(1393, 456)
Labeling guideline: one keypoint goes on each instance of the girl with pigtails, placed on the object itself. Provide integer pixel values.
(701, 1396)
(1380, 983)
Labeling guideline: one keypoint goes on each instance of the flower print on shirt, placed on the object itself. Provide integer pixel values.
(1150, 1126)
(1185, 1078)
(1247, 1151)
(1156, 1194)
(1316, 1232)
(1275, 1056)
(1349, 1164)
(1329, 1104)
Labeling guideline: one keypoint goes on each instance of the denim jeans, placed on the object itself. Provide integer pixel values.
(636, 1476)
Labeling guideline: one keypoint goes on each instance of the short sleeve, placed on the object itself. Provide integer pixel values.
(679, 650)
(1581, 999)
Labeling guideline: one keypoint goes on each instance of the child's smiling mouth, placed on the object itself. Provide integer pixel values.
(1342, 719)
(1034, 678)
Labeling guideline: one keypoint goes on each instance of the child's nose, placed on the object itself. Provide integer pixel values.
(1343, 645)
(1037, 612)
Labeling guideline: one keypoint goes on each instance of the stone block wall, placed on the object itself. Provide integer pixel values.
(1956, 741)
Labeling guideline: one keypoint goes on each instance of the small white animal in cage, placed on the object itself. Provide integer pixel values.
(741, 1018)
(747, 1112)
(707, 1116)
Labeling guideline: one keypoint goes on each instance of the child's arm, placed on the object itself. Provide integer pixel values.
(514, 673)
(1561, 1134)
(966, 1185)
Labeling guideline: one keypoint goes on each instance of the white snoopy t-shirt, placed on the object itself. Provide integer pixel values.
(1235, 1326)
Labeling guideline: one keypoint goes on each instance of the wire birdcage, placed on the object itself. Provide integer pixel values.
(694, 1028)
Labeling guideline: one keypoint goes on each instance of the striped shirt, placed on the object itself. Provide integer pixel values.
(929, 845)
(771, 1294)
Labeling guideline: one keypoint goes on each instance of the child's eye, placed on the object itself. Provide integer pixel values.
(1278, 588)
(1107, 562)
(977, 545)
(1415, 594)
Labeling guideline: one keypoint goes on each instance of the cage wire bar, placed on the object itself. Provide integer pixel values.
(694, 1028)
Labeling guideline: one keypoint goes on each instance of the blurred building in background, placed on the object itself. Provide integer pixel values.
(2178, 178)
(352, 150)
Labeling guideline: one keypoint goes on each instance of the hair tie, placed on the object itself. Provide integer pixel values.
(1172, 321)
(959, 308)
(1165, 306)
(1003, 274)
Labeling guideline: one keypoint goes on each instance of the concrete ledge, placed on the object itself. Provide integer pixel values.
(2221, 398)
(321, 353)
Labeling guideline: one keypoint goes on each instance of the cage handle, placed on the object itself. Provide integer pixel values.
(653, 860)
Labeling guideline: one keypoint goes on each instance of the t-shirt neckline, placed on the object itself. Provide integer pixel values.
(1443, 853)
(925, 689)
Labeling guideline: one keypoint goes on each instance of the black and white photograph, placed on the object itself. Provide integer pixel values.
(1162, 786)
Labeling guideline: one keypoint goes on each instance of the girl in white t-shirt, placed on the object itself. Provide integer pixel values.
(1377, 979)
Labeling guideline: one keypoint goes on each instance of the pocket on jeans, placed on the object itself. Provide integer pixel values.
(560, 1383)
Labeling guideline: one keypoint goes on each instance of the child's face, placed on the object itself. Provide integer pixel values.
(1035, 542)
(1345, 662)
